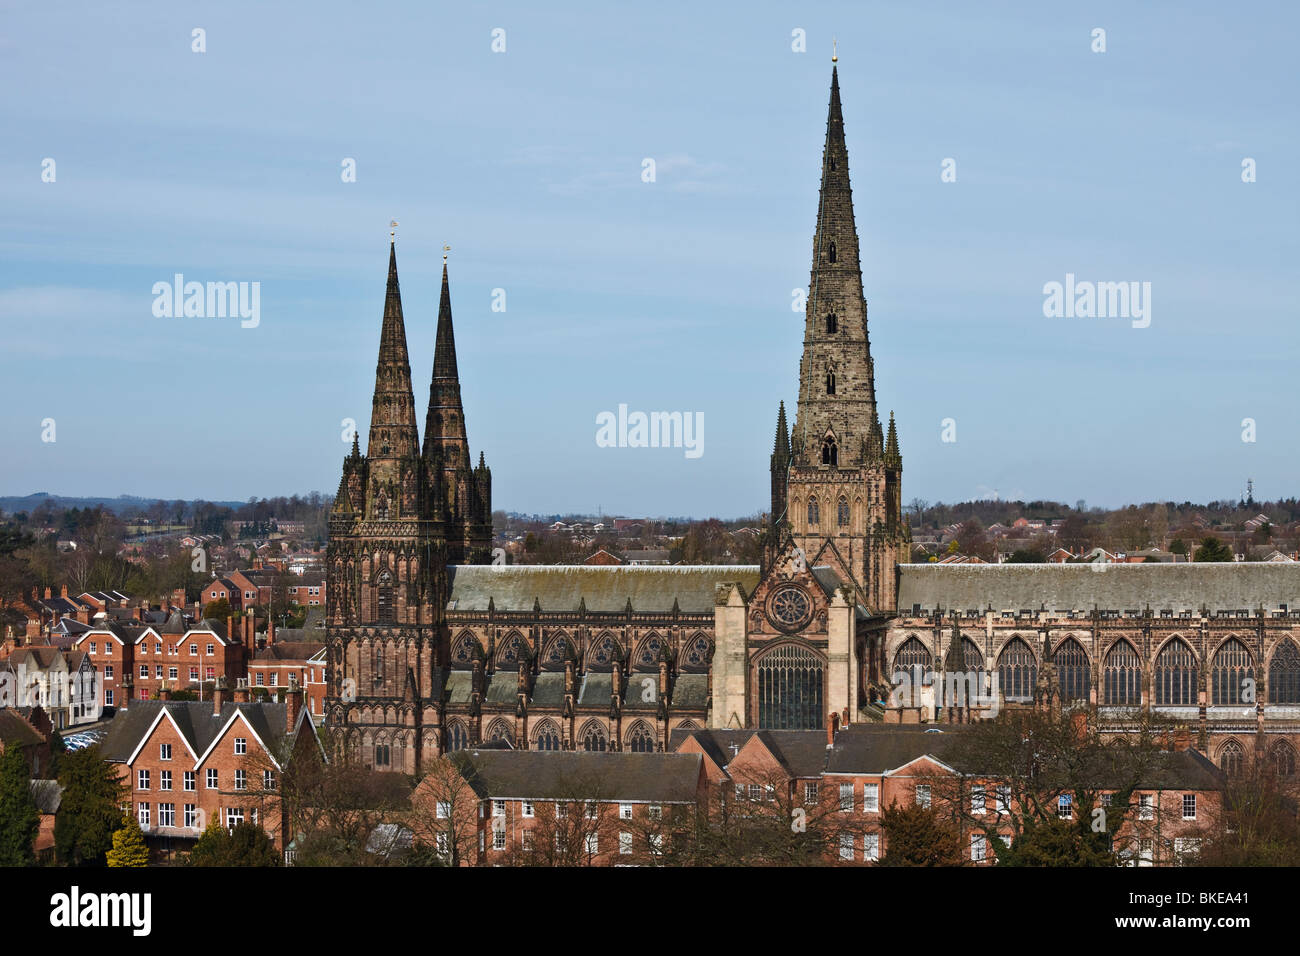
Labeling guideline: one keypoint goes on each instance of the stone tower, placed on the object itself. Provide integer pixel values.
(836, 478)
(399, 518)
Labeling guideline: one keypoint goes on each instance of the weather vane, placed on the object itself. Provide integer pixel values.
(835, 53)
(392, 229)
(445, 250)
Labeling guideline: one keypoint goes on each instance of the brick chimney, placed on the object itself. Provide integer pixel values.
(63, 591)
(1182, 739)
(218, 696)
(832, 726)
(47, 594)
(292, 703)
(164, 692)
(270, 629)
(241, 691)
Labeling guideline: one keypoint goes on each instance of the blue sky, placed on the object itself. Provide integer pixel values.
(672, 295)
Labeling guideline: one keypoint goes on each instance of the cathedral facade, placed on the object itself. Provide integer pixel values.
(433, 648)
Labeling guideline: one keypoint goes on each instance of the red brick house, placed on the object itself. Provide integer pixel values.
(190, 763)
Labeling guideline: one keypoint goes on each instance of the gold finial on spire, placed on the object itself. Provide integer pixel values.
(835, 53)
(445, 250)
(392, 230)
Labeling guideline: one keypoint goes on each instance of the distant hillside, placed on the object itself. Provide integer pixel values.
(28, 503)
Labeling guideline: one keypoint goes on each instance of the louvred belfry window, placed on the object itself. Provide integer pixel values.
(385, 612)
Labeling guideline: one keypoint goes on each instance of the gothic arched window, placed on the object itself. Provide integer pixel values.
(457, 736)
(385, 613)
(814, 513)
(604, 651)
(830, 254)
(697, 655)
(790, 688)
(651, 647)
(911, 655)
(832, 324)
(548, 738)
(830, 452)
(509, 653)
(500, 730)
(830, 383)
(1231, 757)
(593, 738)
(1229, 671)
(1122, 676)
(639, 739)
(1282, 759)
(1284, 674)
(1072, 669)
(842, 512)
(463, 652)
(1017, 670)
(379, 665)
(1175, 675)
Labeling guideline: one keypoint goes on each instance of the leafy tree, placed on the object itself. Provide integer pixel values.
(246, 844)
(918, 836)
(1178, 546)
(90, 811)
(128, 845)
(19, 818)
(218, 610)
(1212, 549)
(1026, 556)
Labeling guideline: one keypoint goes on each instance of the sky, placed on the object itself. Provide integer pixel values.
(229, 164)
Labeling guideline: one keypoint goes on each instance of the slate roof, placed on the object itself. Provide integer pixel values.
(879, 748)
(630, 777)
(290, 650)
(16, 731)
(195, 720)
(548, 690)
(1081, 587)
(801, 752)
(605, 589)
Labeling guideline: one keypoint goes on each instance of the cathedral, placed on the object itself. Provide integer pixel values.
(433, 648)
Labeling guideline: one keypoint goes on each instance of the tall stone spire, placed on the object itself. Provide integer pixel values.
(392, 413)
(780, 467)
(445, 440)
(836, 419)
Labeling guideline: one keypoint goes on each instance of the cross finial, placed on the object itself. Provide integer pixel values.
(392, 230)
(835, 53)
(445, 249)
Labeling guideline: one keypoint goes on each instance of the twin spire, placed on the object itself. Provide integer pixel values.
(393, 430)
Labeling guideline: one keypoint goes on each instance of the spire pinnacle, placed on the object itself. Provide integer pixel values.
(835, 52)
(444, 425)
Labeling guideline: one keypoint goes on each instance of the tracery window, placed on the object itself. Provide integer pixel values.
(650, 651)
(457, 736)
(697, 655)
(463, 652)
(509, 653)
(604, 651)
(842, 513)
(1284, 674)
(594, 738)
(832, 324)
(1176, 675)
(548, 738)
(500, 730)
(1282, 758)
(639, 739)
(1231, 757)
(1073, 671)
(1122, 676)
(1017, 671)
(1229, 671)
(830, 383)
(911, 655)
(790, 689)
(814, 513)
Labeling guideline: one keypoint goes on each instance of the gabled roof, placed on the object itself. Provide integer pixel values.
(15, 731)
(802, 753)
(195, 722)
(578, 775)
(605, 589)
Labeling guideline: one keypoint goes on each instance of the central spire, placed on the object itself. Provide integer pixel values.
(836, 423)
(392, 413)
